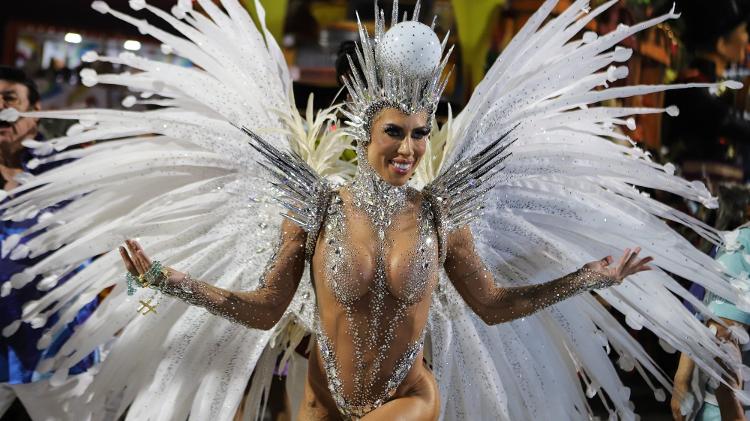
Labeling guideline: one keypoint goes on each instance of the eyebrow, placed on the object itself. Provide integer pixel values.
(396, 125)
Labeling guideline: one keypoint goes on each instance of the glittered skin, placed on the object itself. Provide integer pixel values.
(374, 270)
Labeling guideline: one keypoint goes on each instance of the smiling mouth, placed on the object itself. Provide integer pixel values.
(402, 167)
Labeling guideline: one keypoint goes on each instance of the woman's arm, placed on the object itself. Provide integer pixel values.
(729, 406)
(259, 309)
(494, 304)
(682, 378)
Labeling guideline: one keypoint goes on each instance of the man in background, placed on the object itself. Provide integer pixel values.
(19, 92)
(19, 354)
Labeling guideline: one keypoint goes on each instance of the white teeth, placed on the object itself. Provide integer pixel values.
(400, 166)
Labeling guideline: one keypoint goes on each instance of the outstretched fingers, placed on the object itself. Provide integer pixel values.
(643, 264)
(133, 251)
(137, 256)
(145, 261)
(632, 264)
(129, 265)
(632, 257)
(623, 259)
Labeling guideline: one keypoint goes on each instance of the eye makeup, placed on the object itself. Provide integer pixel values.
(397, 132)
(394, 131)
(420, 132)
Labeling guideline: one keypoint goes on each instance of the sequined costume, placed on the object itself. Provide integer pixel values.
(190, 178)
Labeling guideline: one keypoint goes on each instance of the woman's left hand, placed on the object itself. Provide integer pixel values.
(629, 264)
(138, 263)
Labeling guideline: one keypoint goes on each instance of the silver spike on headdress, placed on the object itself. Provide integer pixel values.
(400, 68)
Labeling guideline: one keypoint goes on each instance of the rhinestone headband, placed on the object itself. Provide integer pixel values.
(400, 68)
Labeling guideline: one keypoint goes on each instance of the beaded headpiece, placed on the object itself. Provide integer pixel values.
(400, 68)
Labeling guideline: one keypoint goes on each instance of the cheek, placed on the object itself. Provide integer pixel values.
(419, 149)
(377, 151)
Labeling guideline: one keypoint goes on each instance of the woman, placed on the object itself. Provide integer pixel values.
(374, 292)
(694, 397)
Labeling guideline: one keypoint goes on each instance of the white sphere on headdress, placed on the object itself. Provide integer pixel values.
(410, 47)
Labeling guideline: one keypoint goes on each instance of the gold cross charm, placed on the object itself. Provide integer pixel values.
(146, 307)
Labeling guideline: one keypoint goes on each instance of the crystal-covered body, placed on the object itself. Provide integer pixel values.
(373, 278)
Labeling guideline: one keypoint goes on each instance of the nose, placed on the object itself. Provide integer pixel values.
(406, 148)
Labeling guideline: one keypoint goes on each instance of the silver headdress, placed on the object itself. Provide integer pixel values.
(402, 68)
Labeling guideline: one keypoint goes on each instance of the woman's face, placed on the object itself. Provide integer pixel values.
(397, 144)
(734, 45)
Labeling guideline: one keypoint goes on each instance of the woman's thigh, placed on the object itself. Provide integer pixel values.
(315, 406)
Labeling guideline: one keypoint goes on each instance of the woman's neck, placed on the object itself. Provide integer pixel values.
(376, 197)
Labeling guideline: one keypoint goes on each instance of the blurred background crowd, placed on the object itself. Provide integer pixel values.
(706, 136)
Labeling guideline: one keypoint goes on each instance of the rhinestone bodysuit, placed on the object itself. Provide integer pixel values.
(379, 289)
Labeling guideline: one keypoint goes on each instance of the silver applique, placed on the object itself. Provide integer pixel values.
(456, 194)
(378, 87)
(335, 384)
(376, 197)
(303, 192)
(374, 333)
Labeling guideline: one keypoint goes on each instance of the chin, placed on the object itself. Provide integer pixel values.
(397, 179)
(398, 182)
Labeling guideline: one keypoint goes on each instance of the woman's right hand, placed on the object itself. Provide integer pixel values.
(137, 263)
(629, 264)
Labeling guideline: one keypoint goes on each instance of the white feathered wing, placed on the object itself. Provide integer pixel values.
(185, 181)
(567, 195)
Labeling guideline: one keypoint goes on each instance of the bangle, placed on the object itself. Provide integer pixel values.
(155, 277)
(131, 282)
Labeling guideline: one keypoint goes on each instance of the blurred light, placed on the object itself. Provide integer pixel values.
(73, 38)
(132, 45)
